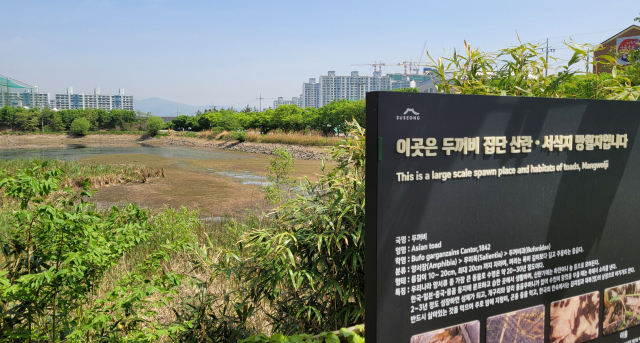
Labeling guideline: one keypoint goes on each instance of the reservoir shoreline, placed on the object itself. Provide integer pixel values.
(51, 141)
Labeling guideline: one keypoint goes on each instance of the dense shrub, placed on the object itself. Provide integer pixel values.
(305, 271)
(239, 136)
(521, 70)
(154, 124)
(355, 336)
(56, 252)
(80, 126)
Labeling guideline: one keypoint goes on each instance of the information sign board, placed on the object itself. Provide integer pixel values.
(501, 219)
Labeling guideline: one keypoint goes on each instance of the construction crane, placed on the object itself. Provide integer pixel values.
(377, 66)
(413, 66)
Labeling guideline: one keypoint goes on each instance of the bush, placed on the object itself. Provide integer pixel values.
(154, 124)
(216, 130)
(304, 271)
(239, 136)
(355, 336)
(56, 252)
(80, 126)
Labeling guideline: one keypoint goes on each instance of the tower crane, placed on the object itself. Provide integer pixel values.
(411, 64)
(377, 66)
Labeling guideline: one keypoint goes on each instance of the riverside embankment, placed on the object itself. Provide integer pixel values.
(50, 141)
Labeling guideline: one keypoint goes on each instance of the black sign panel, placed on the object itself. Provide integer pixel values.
(502, 219)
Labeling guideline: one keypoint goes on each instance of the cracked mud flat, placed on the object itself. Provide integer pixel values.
(621, 307)
(463, 333)
(575, 320)
(524, 326)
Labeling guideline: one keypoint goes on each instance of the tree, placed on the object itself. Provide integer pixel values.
(637, 19)
(55, 122)
(6, 114)
(27, 120)
(80, 126)
(154, 124)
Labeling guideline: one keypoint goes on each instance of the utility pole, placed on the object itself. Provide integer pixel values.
(260, 102)
(546, 67)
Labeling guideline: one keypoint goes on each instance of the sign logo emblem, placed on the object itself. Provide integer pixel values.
(409, 114)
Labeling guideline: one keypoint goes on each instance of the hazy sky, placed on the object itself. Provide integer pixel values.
(228, 52)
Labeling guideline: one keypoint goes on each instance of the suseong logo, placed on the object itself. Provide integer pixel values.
(409, 114)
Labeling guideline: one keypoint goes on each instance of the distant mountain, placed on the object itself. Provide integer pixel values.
(165, 108)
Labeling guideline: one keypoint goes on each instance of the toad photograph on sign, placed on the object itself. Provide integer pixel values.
(524, 326)
(463, 333)
(575, 319)
(621, 307)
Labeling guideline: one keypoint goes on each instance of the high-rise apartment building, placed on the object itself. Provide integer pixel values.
(298, 101)
(353, 87)
(71, 101)
(311, 94)
(15, 93)
(25, 99)
(332, 87)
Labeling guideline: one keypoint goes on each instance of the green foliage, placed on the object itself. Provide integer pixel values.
(26, 120)
(80, 126)
(280, 181)
(587, 86)
(178, 226)
(6, 114)
(34, 119)
(325, 337)
(305, 271)
(521, 70)
(55, 255)
(239, 135)
(154, 124)
(55, 122)
(407, 90)
(288, 118)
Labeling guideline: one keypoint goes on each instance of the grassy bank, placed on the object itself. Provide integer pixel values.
(99, 175)
(300, 138)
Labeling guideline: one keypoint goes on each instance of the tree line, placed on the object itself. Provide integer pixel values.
(47, 120)
(332, 117)
(329, 118)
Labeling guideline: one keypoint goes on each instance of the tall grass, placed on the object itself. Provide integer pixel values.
(310, 138)
(201, 233)
(99, 175)
(313, 139)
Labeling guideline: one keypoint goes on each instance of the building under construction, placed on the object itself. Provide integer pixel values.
(15, 93)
